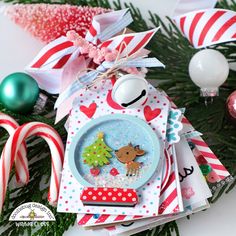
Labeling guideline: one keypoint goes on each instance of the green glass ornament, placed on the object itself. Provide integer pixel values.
(19, 92)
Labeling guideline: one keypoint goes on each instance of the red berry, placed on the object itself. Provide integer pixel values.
(95, 171)
(114, 172)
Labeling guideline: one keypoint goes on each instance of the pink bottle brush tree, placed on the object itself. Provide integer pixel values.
(50, 21)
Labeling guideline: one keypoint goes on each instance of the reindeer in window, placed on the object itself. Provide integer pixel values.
(127, 155)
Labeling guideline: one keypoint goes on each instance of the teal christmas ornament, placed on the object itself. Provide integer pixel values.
(19, 92)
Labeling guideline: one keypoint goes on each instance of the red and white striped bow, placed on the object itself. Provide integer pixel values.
(208, 27)
(47, 67)
(59, 59)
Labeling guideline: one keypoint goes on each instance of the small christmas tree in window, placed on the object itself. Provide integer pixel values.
(97, 154)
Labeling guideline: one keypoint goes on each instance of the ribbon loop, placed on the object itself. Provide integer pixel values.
(107, 25)
(115, 28)
(207, 27)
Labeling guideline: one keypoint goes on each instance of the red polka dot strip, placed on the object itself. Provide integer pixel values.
(109, 196)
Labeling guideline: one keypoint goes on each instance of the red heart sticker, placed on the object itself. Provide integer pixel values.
(89, 111)
(95, 171)
(151, 114)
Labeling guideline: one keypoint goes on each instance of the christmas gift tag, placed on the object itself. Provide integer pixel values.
(98, 102)
(170, 197)
(188, 130)
(196, 181)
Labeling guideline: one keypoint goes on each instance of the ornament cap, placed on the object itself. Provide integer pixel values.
(209, 92)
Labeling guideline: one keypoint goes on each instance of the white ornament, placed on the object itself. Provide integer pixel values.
(130, 91)
(209, 69)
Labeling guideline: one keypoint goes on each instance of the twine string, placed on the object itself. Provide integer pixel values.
(111, 71)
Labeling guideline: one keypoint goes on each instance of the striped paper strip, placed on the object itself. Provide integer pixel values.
(208, 27)
(48, 65)
(206, 152)
(52, 53)
(128, 44)
(169, 202)
(210, 157)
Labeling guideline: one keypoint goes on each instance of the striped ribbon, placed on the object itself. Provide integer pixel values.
(47, 67)
(207, 27)
(85, 80)
(118, 21)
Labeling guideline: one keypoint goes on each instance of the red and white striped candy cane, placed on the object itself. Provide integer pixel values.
(12, 146)
(21, 163)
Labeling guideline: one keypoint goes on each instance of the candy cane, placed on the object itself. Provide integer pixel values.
(21, 163)
(12, 146)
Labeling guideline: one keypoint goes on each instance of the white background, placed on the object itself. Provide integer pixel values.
(17, 49)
